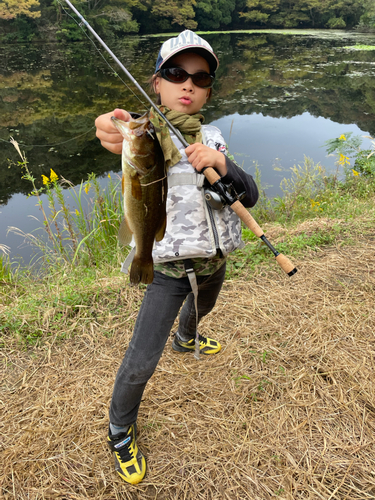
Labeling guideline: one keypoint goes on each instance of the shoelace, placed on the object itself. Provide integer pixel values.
(202, 339)
(125, 453)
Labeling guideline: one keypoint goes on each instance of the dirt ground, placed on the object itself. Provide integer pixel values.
(286, 410)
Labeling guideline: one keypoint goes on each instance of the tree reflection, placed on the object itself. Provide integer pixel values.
(51, 94)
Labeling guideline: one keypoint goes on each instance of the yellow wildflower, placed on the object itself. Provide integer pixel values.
(77, 212)
(45, 179)
(87, 187)
(355, 172)
(344, 160)
(109, 176)
(54, 176)
(342, 137)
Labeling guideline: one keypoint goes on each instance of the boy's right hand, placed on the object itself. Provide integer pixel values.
(107, 133)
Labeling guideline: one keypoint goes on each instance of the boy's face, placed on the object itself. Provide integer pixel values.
(185, 97)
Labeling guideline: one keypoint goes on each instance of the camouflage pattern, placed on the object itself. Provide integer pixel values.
(192, 231)
(202, 267)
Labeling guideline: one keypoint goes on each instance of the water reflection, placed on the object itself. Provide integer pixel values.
(285, 94)
(276, 144)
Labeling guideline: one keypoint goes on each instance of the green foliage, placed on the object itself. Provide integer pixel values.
(305, 182)
(149, 16)
(348, 146)
(259, 11)
(344, 145)
(69, 32)
(175, 12)
(6, 273)
(212, 14)
(118, 19)
(263, 208)
(83, 236)
(365, 162)
(23, 29)
(336, 23)
(367, 19)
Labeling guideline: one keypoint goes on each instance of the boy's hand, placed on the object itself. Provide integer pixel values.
(107, 133)
(201, 156)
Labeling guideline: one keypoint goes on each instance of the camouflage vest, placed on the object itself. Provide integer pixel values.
(193, 228)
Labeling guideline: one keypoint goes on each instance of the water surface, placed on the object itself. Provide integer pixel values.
(277, 98)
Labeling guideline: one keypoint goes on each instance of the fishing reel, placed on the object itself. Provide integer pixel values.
(218, 195)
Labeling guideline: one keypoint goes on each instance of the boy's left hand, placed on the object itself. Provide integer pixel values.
(201, 156)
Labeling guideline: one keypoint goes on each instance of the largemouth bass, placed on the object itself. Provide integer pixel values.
(144, 188)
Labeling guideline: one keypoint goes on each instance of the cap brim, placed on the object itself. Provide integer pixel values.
(210, 57)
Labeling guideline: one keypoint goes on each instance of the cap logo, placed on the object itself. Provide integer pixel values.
(185, 38)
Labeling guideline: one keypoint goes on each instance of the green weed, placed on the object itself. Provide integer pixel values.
(85, 235)
(6, 271)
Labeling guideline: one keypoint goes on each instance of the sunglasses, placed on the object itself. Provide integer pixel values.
(179, 75)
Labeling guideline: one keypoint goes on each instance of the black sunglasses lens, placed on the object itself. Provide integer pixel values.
(202, 79)
(179, 75)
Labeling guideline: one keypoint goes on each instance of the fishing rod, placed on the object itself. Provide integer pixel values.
(212, 176)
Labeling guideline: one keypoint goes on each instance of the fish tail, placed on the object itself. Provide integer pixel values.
(141, 271)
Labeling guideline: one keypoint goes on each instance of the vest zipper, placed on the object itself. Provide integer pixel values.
(213, 225)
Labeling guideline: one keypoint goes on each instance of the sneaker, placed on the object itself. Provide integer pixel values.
(129, 461)
(206, 345)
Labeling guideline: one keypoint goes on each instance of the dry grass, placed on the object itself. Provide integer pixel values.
(286, 410)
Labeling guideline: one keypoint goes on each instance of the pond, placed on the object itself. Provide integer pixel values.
(278, 97)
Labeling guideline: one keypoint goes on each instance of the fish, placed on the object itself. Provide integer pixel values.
(144, 190)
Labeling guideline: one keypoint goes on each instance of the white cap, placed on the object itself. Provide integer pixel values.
(187, 41)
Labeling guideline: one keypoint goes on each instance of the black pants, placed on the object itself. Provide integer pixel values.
(159, 309)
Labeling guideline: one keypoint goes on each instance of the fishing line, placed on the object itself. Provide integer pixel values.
(80, 25)
(50, 145)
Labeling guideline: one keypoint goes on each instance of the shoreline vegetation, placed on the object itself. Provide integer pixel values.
(79, 247)
(31, 20)
(289, 401)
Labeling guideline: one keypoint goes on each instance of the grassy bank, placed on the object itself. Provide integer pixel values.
(77, 272)
(286, 409)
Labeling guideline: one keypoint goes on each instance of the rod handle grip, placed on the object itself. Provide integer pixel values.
(286, 265)
(212, 176)
(247, 218)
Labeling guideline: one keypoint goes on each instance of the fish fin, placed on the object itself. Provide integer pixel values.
(141, 271)
(124, 233)
(136, 187)
(123, 184)
(161, 230)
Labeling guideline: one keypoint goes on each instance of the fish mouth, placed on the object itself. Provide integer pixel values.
(134, 127)
(139, 129)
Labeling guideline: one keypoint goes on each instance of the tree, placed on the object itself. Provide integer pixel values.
(258, 11)
(367, 20)
(10, 9)
(211, 14)
(178, 12)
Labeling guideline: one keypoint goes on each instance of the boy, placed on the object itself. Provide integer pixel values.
(183, 79)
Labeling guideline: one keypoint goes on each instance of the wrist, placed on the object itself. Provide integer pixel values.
(221, 165)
